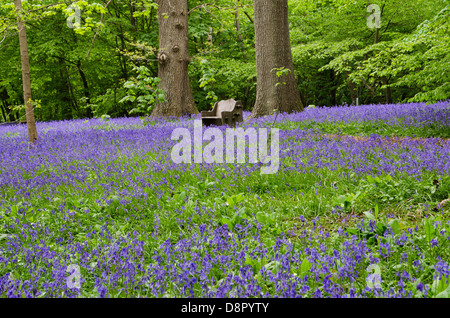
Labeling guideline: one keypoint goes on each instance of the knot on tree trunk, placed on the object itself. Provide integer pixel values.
(163, 57)
(179, 25)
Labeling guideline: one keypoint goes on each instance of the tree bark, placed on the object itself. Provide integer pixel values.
(387, 90)
(87, 94)
(173, 57)
(238, 29)
(334, 80)
(29, 113)
(351, 88)
(4, 96)
(273, 50)
(69, 87)
(384, 80)
(2, 107)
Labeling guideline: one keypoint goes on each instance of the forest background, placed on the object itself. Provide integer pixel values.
(104, 61)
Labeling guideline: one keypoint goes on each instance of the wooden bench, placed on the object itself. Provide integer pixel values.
(225, 112)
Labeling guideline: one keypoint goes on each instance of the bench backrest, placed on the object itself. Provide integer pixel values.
(225, 106)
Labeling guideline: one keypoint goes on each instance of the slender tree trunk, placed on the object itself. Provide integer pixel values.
(238, 29)
(132, 19)
(387, 90)
(273, 50)
(351, 88)
(334, 79)
(173, 57)
(4, 98)
(29, 113)
(64, 87)
(70, 89)
(210, 36)
(122, 59)
(377, 36)
(2, 107)
(151, 20)
(85, 88)
(384, 80)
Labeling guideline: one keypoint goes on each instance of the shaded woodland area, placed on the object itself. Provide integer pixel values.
(107, 63)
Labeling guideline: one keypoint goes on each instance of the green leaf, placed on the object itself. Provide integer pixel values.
(444, 294)
(440, 286)
(429, 229)
(261, 217)
(274, 266)
(369, 215)
(381, 228)
(227, 221)
(305, 267)
(395, 226)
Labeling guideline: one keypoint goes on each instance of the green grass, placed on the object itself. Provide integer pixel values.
(367, 128)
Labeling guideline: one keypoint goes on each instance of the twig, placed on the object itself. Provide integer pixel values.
(200, 7)
(6, 33)
(370, 88)
(440, 205)
(96, 33)
(248, 16)
(51, 5)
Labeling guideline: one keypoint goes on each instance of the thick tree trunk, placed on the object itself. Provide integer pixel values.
(31, 122)
(273, 50)
(173, 57)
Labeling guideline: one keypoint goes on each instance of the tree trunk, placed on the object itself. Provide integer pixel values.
(70, 88)
(273, 50)
(87, 95)
(4, 102)
(387, 90)
(334, 80)
(29, 113)
(351, 88)
(2, 107)
(384, 80)
(173, 57)
(238, 29)
(4, 96)
(210, 36)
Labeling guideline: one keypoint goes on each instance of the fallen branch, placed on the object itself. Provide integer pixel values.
(443, 203)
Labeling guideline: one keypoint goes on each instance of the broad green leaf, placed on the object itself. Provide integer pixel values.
(305, 267)
(369, 215)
